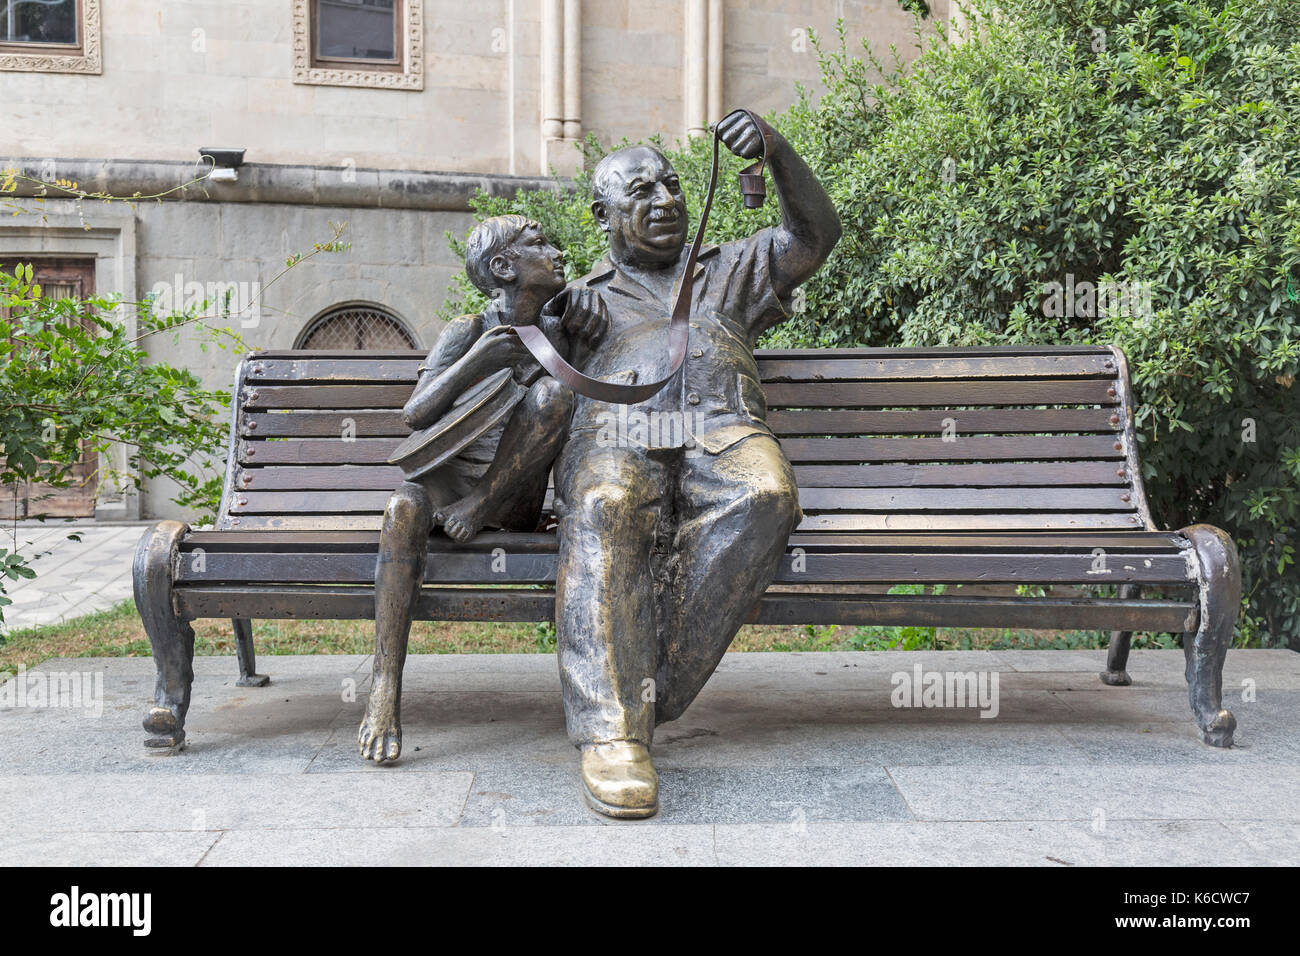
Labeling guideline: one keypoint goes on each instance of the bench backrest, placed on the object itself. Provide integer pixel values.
(974, 439)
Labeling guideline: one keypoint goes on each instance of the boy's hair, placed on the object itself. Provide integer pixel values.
(491, 238)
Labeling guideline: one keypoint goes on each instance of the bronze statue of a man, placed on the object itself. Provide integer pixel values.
(500, 478)
(666, 544)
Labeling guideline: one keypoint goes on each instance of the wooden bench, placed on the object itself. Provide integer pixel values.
(1013, 465)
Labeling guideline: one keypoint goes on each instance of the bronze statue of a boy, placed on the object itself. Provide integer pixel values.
(499, 479)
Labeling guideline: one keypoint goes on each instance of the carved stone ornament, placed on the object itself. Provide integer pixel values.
(410, 77)
(87, 60)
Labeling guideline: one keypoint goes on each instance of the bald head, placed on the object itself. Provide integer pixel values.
(637, 199)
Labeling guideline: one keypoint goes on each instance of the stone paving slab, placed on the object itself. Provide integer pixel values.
(85, 848)
(249, 801)
(73, 578)
(1017, 843)
(1078, 792)
(785, 758)
(616, 845)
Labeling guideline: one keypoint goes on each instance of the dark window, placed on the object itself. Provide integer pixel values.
(364, 327)
(49, 22)
(352, 34)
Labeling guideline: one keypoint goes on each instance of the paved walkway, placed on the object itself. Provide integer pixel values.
(785, 758)
(72, 577)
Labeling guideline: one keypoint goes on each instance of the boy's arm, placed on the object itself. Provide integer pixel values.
(461, 357)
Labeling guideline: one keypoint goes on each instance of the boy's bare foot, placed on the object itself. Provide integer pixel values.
(463, 519)
(380, 736)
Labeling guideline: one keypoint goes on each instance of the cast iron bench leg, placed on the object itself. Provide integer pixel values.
(1220, 596)
(248, 676)
(171, 637)
(1116, 672)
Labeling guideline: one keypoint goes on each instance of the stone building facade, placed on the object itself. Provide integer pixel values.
(384, 114)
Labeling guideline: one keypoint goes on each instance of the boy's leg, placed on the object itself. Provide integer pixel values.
(399, 573)
(529, 444)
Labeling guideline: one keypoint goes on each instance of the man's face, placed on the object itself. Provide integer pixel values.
(644, 210)
(537, 265)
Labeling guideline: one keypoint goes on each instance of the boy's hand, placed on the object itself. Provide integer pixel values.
(499, 347)
(585, 316)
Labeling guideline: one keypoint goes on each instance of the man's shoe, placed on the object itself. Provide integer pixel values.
(619, 780)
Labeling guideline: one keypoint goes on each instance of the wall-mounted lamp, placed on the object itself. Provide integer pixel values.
(225, 162)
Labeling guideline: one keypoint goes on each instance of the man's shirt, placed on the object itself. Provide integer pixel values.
(715, 396)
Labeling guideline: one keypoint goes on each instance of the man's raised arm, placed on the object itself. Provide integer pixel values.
(810, 226)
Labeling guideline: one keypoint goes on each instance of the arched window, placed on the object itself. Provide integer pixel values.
(356, 325)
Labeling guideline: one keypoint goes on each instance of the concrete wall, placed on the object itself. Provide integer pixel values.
(179, 74)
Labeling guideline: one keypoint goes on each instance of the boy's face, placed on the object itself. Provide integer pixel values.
(537, 265)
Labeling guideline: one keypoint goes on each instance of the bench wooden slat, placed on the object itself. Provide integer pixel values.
(802, 395)
(932, 351)
(1025, 542)
(364, 356)
(964, 448)
(971, 421)
(367, 451)
(788, 369)
(352, 522)
(1047, 521)
(364, 541)
(999, 475)
(304, 424)
(331, 424)
(359, 397)
(451, 604)
(810, 568)
(320, 478)
(894, 367)
(318, 451)
(891, 500)
(1002, 500)
(335, 370)
(945, 393)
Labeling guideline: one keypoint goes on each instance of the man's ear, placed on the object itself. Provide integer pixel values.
(502, 268)
(598, 210)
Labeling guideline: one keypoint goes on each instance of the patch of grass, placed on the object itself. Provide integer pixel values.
(118, 632)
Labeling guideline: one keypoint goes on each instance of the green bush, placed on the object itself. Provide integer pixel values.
(1149, 148)
(73, 377)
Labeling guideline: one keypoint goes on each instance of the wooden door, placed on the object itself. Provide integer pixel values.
(58, 278)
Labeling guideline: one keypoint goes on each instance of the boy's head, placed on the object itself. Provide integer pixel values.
(638, 201)
(510, 252)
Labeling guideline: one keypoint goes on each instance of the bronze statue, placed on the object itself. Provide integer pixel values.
(670, 534)
(499, 479)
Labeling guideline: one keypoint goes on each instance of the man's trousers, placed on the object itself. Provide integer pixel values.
(639, 632)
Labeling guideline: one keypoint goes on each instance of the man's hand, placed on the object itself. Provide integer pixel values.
(740, 135)
(584, 318)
